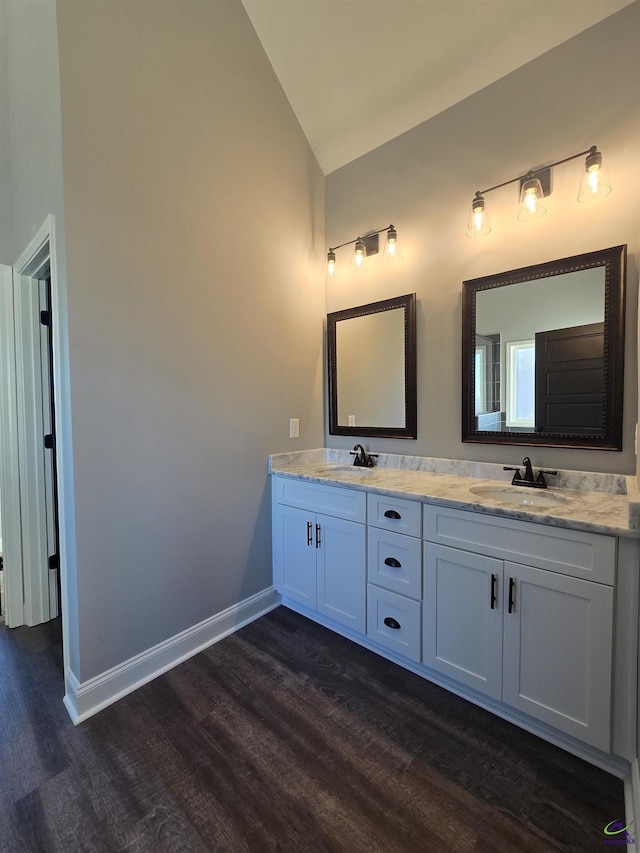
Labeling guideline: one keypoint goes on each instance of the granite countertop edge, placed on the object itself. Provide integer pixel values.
(602, 509)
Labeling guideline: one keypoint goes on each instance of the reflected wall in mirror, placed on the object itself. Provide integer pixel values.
(372, 369)
(543, 353)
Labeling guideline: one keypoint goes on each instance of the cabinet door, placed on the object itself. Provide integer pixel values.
(558, 651)
(341, 581)
(462, 617)
(294, 554)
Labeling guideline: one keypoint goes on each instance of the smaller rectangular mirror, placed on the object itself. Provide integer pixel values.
(372, 369)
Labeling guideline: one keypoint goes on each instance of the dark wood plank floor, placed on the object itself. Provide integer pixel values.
(283, 737)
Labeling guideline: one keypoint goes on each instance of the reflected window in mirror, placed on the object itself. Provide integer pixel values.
(372, 369)
(543, 353)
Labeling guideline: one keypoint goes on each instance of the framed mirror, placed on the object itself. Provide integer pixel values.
(372, 369)
(543, 353)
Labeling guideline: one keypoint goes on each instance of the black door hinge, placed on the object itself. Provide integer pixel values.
(48, 441)
(45, 318)
(54, 561)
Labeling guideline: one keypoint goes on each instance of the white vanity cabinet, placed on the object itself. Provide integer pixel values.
(517, 616)
(536, 639)
(319, 548)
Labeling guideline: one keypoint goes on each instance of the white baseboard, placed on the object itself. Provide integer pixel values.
(84, 699)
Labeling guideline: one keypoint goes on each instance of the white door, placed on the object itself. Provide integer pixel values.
(558, 640)
(462, 617)
(13, 603)
(36, 496)
(27, 471)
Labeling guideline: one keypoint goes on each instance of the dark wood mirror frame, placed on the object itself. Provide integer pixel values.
(408, 303)
(610, 436)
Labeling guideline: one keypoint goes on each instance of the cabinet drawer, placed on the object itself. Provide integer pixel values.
(330, 500)
(570, 552)
(397, 514)
(394, 621)
(394, 562)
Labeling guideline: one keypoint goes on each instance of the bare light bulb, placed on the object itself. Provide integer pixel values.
(331, 262)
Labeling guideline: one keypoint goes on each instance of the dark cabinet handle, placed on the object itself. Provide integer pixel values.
(494, 596)
(318, 543)
(390, 622)
(391, 561)
(512, 588)
(391, 513)
(309, 532)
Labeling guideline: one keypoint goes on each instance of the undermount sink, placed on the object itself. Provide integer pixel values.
(518, 495)
(348, 469)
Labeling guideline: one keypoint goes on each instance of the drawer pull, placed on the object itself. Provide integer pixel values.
(391, 561)
(390, 622)
(391, 513)
(512, 588)
(494, 597)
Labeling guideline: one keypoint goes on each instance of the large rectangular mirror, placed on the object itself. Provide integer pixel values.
(543, 353)
(372, 369)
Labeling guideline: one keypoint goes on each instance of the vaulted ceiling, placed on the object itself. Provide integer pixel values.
(360, 72)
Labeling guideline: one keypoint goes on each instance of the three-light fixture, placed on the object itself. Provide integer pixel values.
(535, 186)
(365, 246)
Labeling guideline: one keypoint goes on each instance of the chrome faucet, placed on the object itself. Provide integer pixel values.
(362, 458)
(538, 482)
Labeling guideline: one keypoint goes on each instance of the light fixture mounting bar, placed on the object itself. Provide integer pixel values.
(369, 239)
(536, 173)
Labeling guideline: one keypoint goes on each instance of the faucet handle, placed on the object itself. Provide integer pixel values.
(541, 480)
(516, 476)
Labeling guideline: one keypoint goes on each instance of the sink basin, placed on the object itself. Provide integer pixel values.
(348, 469)
(518, 495)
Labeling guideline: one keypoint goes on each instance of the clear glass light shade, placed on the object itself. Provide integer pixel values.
(391, 245)
(595, 182)
(531, 200)
(359, 255)
(331, 262)
(478, 223)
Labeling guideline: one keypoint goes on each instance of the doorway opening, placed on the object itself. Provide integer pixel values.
(29, 463)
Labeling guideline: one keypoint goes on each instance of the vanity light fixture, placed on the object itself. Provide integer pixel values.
(536, 185)
(364, 246)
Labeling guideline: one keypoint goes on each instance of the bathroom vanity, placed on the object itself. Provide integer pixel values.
(527, 609)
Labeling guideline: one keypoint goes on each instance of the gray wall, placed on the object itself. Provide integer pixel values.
(194, 213)
(584, 92)
(5, 142)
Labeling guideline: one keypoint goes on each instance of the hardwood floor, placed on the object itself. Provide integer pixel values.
(282, 737)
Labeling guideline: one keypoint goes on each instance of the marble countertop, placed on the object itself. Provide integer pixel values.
(601, 503)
